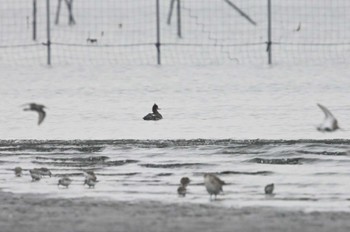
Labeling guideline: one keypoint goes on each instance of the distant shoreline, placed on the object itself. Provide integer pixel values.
(27, 212)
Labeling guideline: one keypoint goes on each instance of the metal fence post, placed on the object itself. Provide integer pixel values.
(34, 19)
(48, 44)
(158, 32)
(269, 33)
(178, 19)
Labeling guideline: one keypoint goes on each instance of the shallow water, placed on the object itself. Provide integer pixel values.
(308, 174)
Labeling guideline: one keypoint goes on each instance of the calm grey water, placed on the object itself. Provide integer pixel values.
(308, 174)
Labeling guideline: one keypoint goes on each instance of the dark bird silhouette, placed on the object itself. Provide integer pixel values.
(18, 171)
(181, 190)
(269, 189)
(330, 123)
(64, 181)
(38, 108)
(155, 116)
(35, 175)
(185, 181)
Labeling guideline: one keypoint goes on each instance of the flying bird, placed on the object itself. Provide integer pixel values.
(329, 123)
(38, 108)
(155, 115)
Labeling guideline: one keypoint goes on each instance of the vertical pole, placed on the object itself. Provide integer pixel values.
(48, 32)
(34, 19)
(158, 32)
(269, 43)
(170, 11)
(58, 12)
(178, 19)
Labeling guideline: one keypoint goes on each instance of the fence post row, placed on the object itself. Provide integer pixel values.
(158, 39)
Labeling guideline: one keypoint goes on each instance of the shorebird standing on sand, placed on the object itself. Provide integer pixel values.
(213, 184)
(269, 189)
(38, 108)
(64, 181)
(155, 115)
(330, 123)
(43, 171)
(181, 190)
(36, 176)
(90, 182)
(18, 171)
(90, 179)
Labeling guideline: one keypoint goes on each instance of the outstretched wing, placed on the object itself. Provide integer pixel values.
(327, 113)
(42, 115)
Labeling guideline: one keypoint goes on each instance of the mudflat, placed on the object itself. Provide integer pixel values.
(36, 213)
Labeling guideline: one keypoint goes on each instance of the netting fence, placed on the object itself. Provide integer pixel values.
(174, 31)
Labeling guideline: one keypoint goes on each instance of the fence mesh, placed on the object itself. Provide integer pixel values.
(190, 32)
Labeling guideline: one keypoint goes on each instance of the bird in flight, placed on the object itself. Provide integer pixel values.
(330, 123)
(38, 108)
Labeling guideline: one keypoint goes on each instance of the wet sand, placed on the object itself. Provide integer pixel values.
(33, 213)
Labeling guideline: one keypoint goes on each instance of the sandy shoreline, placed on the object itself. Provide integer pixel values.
(32, 213)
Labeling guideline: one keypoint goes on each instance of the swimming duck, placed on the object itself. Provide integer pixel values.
(155, 115)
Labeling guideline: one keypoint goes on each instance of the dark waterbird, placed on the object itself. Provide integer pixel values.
(39, 109)
(155, 115)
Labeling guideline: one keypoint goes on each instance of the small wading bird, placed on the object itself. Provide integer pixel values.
(213, 184)
(64, 181)
(90, 179)
(185, 181)
(43, 171)
(155, 116)
(35, 175)
(38, 108)
(181, 190)
(330, 123)
(18, 171)
(269, 189)
(90, 182)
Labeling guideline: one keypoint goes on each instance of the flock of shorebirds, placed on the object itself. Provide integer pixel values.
(212, 183)
(38, 173)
